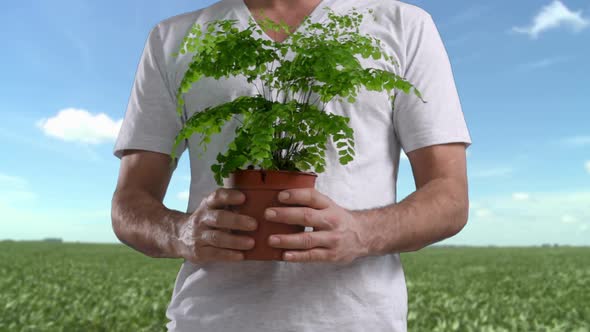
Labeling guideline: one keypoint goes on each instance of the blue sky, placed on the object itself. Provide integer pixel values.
(521, 68)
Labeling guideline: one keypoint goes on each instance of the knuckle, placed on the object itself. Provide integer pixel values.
(217, 218)
(331, 222)
(205, 236)
(222, 194)
(218, 196)
(307, 215)
(205, 202)
(336, 240)
(210, 199)
(214, 237)
(194, 220)
(307, 240)
(197, 244)
(211, 237)
(209, 218)
(213, 197)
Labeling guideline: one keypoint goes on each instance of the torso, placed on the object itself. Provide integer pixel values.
(259, 296)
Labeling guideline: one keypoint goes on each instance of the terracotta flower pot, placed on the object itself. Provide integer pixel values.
(262, 188)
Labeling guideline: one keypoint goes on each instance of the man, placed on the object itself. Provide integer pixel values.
(346, 275)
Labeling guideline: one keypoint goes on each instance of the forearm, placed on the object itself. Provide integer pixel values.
(146, 225)
(436, 211)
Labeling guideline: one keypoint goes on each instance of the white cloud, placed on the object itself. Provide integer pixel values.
(183, 196)
(78, 125)
(587, 166)
(520, 196)
(553, 16)
(583, 228)
(483, 213)
(568, 219)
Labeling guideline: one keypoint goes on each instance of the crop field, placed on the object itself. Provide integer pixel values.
(97, 287)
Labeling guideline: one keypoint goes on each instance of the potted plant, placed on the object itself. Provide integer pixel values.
(282, 143)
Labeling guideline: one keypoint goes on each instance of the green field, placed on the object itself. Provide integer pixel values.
(92, 287)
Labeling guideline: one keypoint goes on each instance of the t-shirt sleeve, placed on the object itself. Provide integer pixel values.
(151, 122)
(427, 67)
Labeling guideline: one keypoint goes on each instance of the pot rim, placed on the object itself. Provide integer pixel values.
(277, 171)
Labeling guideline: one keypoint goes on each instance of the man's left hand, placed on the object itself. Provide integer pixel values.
(338, 235)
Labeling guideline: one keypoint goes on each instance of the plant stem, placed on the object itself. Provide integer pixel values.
(290, 150)
(256, 86)
(234, 116)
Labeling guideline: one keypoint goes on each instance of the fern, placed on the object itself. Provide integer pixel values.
(288, 134)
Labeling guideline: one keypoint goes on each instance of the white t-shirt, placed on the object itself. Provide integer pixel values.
(366, 295)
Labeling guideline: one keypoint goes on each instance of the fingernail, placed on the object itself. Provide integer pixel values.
(270, 214)
(274, 240)
(284, 195)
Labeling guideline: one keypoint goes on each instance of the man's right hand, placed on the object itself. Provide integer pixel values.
(205, 236)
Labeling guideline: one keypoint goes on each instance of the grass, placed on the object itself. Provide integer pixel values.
(498, 289)
(100, 287)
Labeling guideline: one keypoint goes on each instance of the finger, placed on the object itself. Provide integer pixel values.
(306, 197)
(313, 255)
(228, 220)
(222, 197)
(211, 254)
(304, 216)
(221, 239)
(305, 240)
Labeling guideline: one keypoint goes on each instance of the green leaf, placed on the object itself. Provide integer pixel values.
(326, 63)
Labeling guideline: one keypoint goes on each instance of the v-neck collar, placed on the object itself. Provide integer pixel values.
(246, 15)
